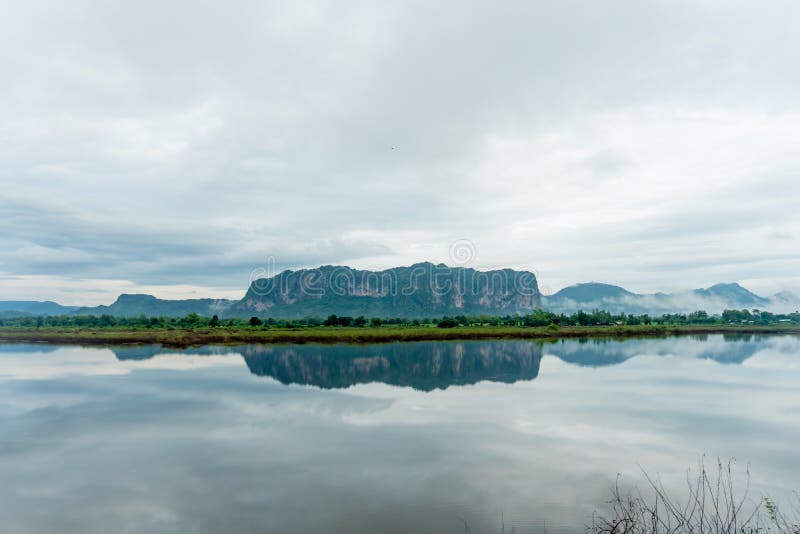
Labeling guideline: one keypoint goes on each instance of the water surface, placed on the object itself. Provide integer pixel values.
(401, 437)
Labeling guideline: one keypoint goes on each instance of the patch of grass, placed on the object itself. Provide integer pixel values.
(380, 334)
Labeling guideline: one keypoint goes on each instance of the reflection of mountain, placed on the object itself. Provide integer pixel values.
(421, 365)
(27, 347)
(438, 365)
(145, 352)
(601, 352)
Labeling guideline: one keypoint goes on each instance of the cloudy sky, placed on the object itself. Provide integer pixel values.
(172, 147)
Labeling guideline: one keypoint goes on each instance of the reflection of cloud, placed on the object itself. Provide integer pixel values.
(180, 362)
(781, 353)
(217, 450)
(70, 361)
(62, 362)
(774, 360)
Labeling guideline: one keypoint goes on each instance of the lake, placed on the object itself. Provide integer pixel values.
(400, 437)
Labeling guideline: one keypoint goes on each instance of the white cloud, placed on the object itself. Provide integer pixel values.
(69, 361)
(648, 144)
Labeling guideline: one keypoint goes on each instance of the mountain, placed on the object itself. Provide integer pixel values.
(785, 296)
(589, 296)
(733, 294)
(134, 305)
(595, 295)
(11, 314)
(420, 290)
(616, 299)
(784, 301)
(22, 308)
(591, 291)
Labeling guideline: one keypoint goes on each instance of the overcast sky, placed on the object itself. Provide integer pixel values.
(172, 147)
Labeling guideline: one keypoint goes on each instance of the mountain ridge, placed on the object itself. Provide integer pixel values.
(135, 304)
(419, 290)
(616, 299)
(34, 307)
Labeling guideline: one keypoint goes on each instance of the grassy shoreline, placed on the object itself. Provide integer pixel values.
(385, 334)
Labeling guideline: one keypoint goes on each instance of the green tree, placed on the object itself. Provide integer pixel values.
(447, 322)
(192, 319)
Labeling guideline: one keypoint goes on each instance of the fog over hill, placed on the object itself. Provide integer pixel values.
(714, 299)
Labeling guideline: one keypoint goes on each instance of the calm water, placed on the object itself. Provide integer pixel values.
(414, 437)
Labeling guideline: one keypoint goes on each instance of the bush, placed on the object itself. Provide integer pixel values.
(447, 322)
(712, 505)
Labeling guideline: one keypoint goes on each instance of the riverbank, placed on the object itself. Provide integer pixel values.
(384, 334)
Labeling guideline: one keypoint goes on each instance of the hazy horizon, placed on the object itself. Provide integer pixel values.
(191, 293)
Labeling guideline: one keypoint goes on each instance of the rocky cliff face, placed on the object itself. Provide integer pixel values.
(421, 290)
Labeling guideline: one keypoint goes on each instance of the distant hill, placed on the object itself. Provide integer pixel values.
(594, 295)
(616, 299)
(734, 294)
(11, 314)
(23, 308)
(786, 300)
(592, 291)
(128, 305)
(420, 290)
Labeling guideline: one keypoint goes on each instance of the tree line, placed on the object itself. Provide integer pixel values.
(537, 318)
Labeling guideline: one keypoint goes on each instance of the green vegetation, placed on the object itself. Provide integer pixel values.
(534, 319)
(196, 329)
(716, 501)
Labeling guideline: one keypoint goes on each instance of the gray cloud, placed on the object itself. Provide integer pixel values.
(186, 143)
